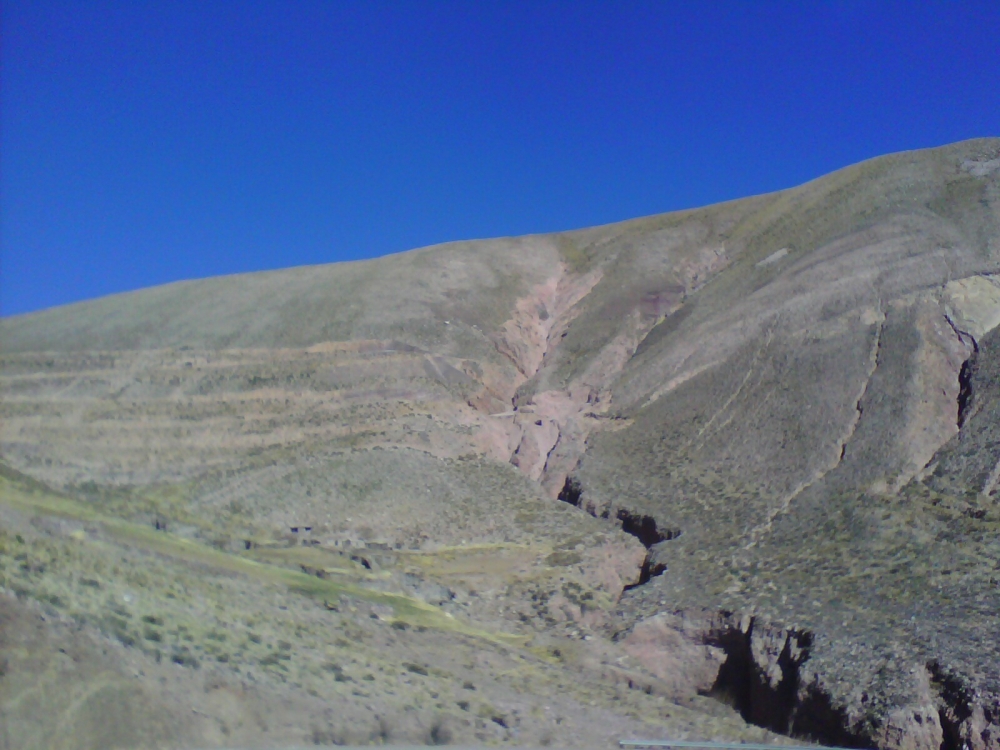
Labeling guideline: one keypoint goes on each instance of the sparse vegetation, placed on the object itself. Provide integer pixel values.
(295, 489)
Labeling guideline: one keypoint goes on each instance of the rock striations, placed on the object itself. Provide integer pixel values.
(724, 473)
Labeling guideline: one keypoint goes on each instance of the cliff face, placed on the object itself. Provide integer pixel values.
(772, 424)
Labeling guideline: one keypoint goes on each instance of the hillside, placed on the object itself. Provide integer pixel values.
(722, 473)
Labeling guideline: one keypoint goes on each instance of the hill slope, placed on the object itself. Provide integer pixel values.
(777, 419)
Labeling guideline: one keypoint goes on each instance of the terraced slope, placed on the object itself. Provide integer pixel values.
(776, 419)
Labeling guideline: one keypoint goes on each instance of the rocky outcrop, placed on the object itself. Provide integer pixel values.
(764, 670)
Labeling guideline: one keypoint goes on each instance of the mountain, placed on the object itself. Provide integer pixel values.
(727, 473)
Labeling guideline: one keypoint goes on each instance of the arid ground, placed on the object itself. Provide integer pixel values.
(729, 473)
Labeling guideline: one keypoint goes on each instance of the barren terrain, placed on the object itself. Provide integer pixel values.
(729, 473)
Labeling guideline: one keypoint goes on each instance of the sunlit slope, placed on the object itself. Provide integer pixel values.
(477, 283)
(816, 429)
(411, 293)
(790, 399)
(134, 636)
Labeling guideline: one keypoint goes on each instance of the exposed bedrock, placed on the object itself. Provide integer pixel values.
(641, 527)
(765, 671)
(841, 480)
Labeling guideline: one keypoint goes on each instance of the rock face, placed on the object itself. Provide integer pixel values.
(773, 424)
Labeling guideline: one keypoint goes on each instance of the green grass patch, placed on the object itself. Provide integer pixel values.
(31, 497)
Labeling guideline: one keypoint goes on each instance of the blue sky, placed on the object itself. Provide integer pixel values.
(144, 142)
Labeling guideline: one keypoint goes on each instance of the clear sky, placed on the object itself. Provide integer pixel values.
(147, 141)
